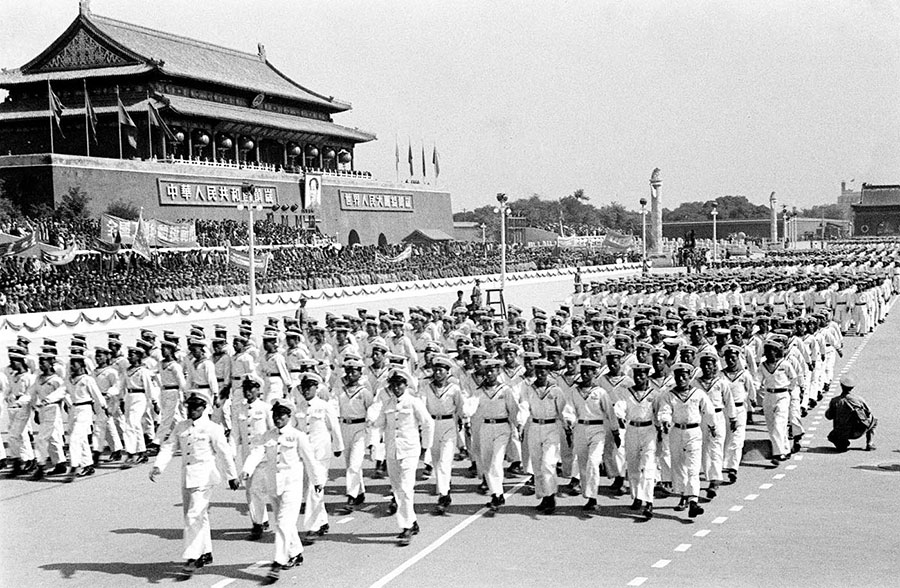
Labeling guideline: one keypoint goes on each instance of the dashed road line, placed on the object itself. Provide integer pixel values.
(345, 520)
(637, 581)
(790, 467)
(702, 533)
(719, 520)
(223, 583)
(661, 563)
(736, 508)
(778, 477)
(751, 497)
(683, 547)
(765, 486)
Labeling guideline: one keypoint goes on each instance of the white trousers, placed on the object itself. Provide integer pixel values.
(354, 453)
(402, 475)
(493, 440)
(20, 434)
(588, 445)
(714, 449)
(640, 460)
(133, 434)
(613, 457)
(80, 420)
(543, 444)
(686, 446)
(776, 407)
(49, 442)
(442, 449)
(734, 440)
(195, 504)
(285, 511)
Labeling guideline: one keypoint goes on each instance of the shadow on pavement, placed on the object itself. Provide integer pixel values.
(177, 533)
(150, 572)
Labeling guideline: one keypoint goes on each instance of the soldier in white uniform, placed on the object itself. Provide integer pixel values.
(85, 400)
(107, 431)
(719, 393)
(408, 431)
(172, 395)
(444, 401)
(18, 403)
(640, 438)
(47, 396)
(279, 459)
(204, 450)
(743, 393)
(137, 395)
(250, 419)
(777, 377)
(354, 397)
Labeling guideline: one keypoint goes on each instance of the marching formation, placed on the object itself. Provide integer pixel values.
(648, 381)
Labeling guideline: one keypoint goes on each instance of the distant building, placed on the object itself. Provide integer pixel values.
(877, 211)
(847, 198)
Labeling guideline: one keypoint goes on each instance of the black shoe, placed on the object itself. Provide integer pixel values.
(349, 507)
(695, 510)
(803, 412)
(483, 487)
(530, 481)
(309, 538)
(712, 490)
(495, 503)
(648, 511)
(813, 403)
(590, 506)
(392, 507)
(129, 462)
(38, 473)
(204, 559)
(59, 469)
(295, 561)
(274, 572)
(16, 469)
(573, 488)
(360, 500)
(189, 567)
(551, 505)
(415, 528)
(542, 505)
(323, 530)
(472, 470)
(405, 537)
(380, 470)
(618, 484)
(515, 469)
(114, 456)
(141, 458)
(682, 504)
(95, 456)
(732, 477)
(256, 533)
(636, 505)
(427, 470)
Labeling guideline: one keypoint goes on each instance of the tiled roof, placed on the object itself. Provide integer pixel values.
(252, 116)
(190, 58)
(16, 76)
(872, 195)
(431, 234)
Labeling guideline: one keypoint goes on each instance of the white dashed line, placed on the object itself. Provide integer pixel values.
(806, 443)
(223, 583)
(751, 497)
(736, 508)
(719, 520)
(765, 486)
(345, 520)
(661, 563)
(812, 428)
(702, 533)
(637, 581)
(798, 458)
(683, 547)
(790, 467)
(778, 477)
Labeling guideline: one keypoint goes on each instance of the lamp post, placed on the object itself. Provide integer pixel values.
(644, 234)
(715, 251)
(247, 191)
(784, 220)
(502, 199)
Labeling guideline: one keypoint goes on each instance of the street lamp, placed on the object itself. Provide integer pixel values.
(644, 234)
(502, 199)
(715, 213)
(784, 220)
(247, 191)
(483, 241)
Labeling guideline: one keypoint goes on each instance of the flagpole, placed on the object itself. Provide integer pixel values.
(50, 112)
(149, 128)
(119, 119)
(87, 132)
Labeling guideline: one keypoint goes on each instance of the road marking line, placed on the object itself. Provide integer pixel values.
(765, 486)
(806, 443)
(261, 563)
(751, 497)
(661, 563)
(345, 520)
(223, 583)
(702, 533)
(719, 520)
(798, 457)
(778, 477)
(683, 547)
(736, 508)
(811, 429)
(790, 467)
(637, 581)
(446, 537)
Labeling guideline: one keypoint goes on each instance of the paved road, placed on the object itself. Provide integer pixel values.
(822, 519)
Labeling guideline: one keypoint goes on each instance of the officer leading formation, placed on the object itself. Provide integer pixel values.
(646, 381)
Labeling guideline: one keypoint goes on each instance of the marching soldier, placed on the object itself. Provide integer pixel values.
(85, 400)
(354, 398)
(137, 386)
(641, 438)
(444, 402)
(742, 389)
(250, 421)
(47, 396)
(19, 407)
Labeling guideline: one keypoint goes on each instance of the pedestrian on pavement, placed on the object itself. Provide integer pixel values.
(852, 417)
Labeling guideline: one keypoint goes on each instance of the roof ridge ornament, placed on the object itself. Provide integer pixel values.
(261, 51)
(84, 7)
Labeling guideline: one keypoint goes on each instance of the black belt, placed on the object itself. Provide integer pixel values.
(294, 371)
(220, 380)
(719, 409)
(495, 421)
(275, 375)
(441, 417)
(739, 404)
(543, 421)
(776, 390)
(687, 426)
(590, 422)
(200, 387)
(85, 403)
(171, 387)
(640, 423)
(353, 421)
(136, 391)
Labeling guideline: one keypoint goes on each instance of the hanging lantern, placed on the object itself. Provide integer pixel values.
(247, 145)
(295, 150)
(312, 151)
(226, 143)
(329, 154)
(344, 156)
(179, 136)
(203, 139)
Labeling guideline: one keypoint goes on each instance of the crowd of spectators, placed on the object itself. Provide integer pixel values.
(27, 285)
(53, 231)
(218, 233)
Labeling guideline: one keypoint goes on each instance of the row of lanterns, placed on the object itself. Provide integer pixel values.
(225, 142)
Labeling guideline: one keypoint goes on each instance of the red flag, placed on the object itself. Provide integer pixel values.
(396, 155)
(141, 245)
(90, 115)
(157, 121)
(125, 120)
(412, 172)
(434, 160)
(423, 161)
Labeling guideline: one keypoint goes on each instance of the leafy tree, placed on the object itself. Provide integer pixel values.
(73, 205)
(729, 207)
(829, 211)
(126, 209)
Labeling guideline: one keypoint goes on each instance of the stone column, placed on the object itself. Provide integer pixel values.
(654, 245)
(773, 219)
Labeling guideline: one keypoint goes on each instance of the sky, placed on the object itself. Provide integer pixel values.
(725, 97)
